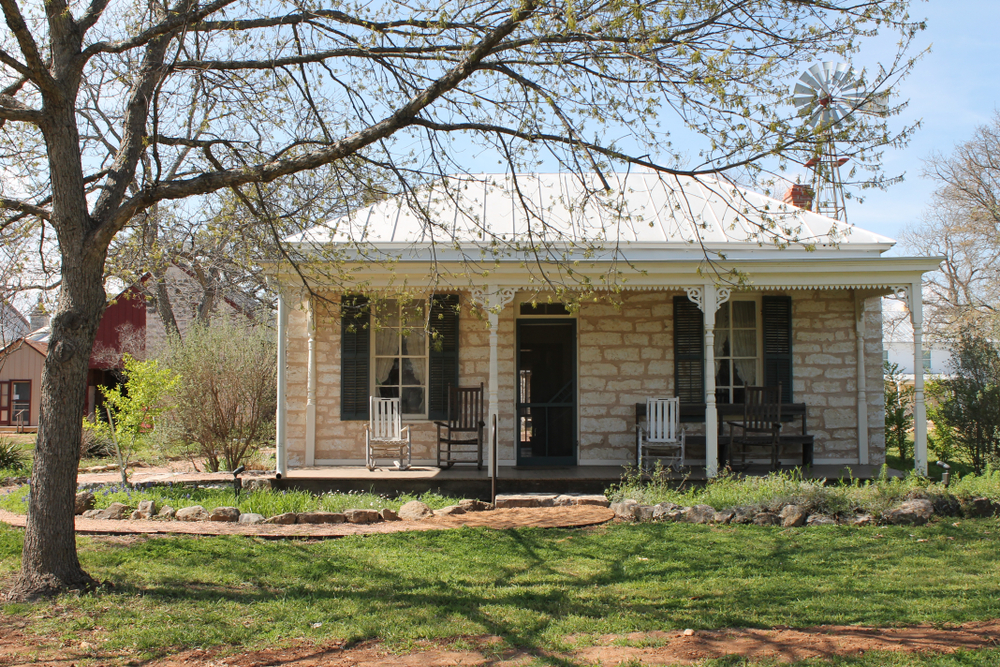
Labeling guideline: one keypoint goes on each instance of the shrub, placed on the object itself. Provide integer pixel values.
(94, 441)
(969, 410)
(898, 410)
(226, 398)
(11, 456)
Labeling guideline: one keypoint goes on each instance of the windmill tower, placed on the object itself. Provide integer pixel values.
(828, 95)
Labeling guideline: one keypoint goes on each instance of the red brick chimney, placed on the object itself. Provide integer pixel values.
(799, 195)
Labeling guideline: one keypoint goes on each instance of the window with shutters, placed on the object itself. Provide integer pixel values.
(396, 349)
(753, 346)
(399, 355)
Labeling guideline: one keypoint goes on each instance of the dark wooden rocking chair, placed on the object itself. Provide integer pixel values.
(761, 425)
(463, 432)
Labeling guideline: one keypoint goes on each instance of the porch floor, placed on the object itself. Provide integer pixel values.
(472, 483)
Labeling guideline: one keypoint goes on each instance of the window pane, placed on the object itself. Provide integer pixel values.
(387, 371)
(722, 316)
(387, 392)
(386, 342)
(723, 376)
(414, 342)
(745, 372)
(412, 316)
(744, 314)
(413, 372)
(412, 400)
(745, 343)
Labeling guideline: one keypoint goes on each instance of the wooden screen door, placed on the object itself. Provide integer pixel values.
(20, 402)
(546, 393)
(4, 403)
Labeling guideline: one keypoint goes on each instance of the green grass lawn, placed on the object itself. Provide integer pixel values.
(532, 587)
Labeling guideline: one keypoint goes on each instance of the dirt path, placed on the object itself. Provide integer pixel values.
(19, 648)
(542, 517)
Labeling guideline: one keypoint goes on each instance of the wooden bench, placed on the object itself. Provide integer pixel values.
(790, 412)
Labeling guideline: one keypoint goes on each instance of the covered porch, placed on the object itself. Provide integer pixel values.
(805, 316)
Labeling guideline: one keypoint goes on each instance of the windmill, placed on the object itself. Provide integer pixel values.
(828, 95)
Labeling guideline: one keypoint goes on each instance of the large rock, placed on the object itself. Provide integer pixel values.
(414, 511)
(591, 499)
(192, 513)
(793, 516)
(723, 516)
(224, 514)
(362, 516)
(90, 514)
(389, 515)
(863, 520)
(114, 511)
(84, 502)
(625, 510)
(910, 513)
(669, 512)
(767, 519)
(284, 519)
(147, 509)
(473, 505)
(450, 510)
(820, 520)
(644, 513)
(981, 508)
(321, 517)
(251, 518)
(512, 500)
(700, 514)
(167, 512)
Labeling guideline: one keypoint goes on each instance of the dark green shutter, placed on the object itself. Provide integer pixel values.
(443, 356)
(355, 357)
(689, 351)
(776, 315)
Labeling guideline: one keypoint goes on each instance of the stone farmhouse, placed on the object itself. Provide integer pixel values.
(571, 308)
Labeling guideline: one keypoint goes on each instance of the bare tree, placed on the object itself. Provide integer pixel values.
(112, 110)
(962, 225)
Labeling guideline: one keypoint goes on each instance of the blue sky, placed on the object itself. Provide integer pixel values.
(953, 89)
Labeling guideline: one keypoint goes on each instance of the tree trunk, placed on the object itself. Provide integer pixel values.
(49, 562)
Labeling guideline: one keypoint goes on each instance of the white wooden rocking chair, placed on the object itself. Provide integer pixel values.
(662, 438)
(385, 435)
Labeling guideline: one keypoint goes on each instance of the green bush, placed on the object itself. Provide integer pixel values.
(11, 456)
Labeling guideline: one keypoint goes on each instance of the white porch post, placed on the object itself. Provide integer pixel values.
(311, 384)
(919, 410)
(708, 299)
(494, 300)
(281, 456)
(859, 314)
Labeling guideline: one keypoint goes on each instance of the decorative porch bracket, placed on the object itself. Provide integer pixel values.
(494, 299)
(912, 296)
(708, 299)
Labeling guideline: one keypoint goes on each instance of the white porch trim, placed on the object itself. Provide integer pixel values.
(280, 422)
(859, 315)
(494, 299)
(311, 383)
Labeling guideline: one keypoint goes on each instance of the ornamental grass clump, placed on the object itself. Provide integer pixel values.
(770, 493)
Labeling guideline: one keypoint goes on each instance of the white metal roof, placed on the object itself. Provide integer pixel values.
(645, 215)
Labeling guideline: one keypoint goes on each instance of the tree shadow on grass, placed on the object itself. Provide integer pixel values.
(533, 587)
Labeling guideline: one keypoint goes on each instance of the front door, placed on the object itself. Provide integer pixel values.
(20, 402)
(546, 392)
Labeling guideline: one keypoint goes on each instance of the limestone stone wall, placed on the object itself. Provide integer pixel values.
(625, 354)
(825, 372)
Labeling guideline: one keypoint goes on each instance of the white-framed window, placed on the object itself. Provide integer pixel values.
(737, 348)
(399, 355)
(927, 360)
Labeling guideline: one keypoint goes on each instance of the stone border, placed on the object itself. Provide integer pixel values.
(912, 512)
